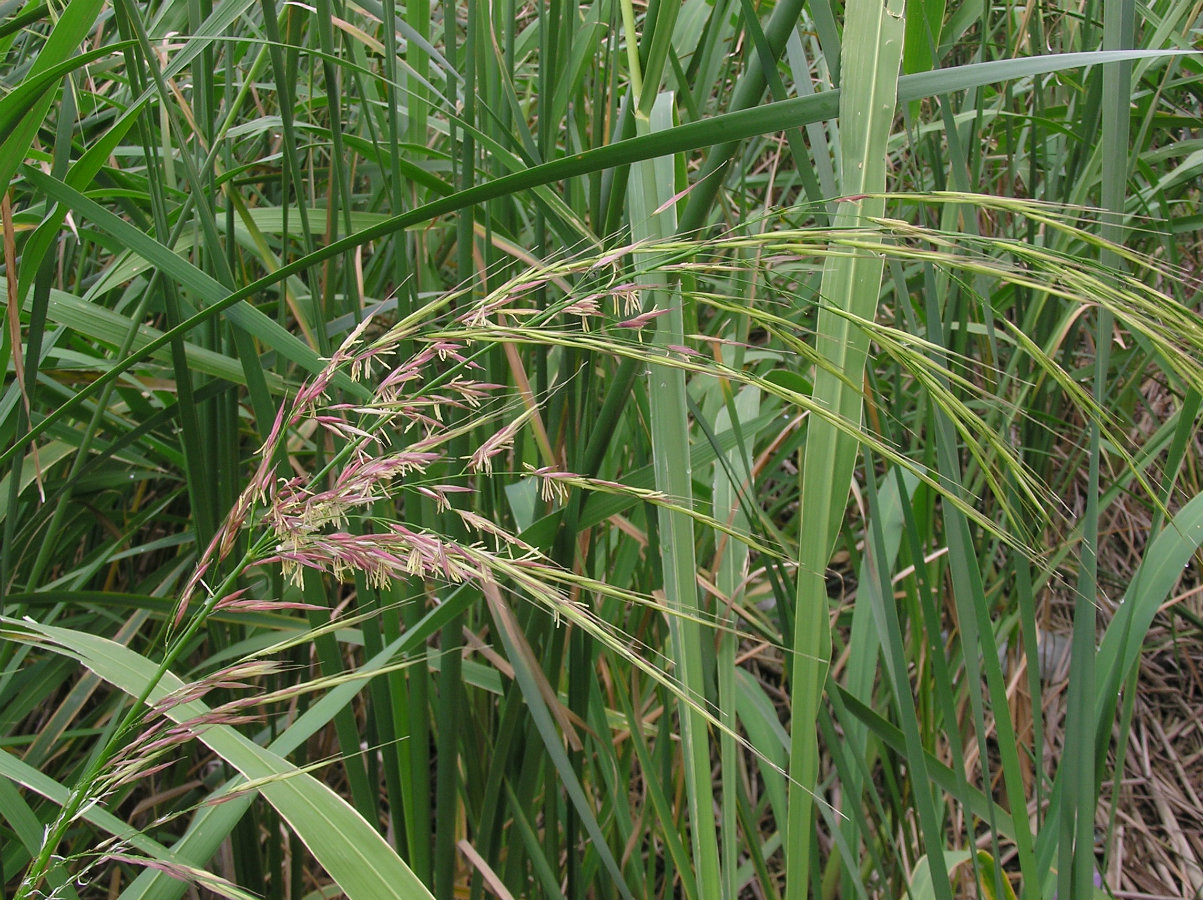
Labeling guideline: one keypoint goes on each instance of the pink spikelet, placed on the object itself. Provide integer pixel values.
(641, 320)
(500, 441)
(554, 483)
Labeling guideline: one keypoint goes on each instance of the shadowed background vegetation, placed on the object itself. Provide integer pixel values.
(610, 449)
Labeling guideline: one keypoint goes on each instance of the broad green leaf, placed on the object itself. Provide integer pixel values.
(18, 772)
(350, 850)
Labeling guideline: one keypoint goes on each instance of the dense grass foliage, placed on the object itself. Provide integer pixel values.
(699, 449)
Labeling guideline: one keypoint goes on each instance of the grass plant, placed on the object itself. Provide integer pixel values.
(698, 449)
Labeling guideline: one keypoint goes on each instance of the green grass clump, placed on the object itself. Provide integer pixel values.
(591, 450)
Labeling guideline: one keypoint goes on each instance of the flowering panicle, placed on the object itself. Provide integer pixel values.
(682, 350)
(613, 259)
(342, 428)
(361, 474)
(555, 484)
(180, 872)
(307, 520)
(395, 553)
(120, 850)
(159, 736)
(295, 509)
(250, 604)
(505, 296)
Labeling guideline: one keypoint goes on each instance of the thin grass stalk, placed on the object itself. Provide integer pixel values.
(979, 648)
(660, 801)
(392, 100)
(452, 701)
(749, 90)
(191, 444)
(730, 481)
(1076, 859)
(946, 298)
(817, 132)
(888, 623)
(28, 357)
(558, 30)
(874, 633)
(338, 199)
(872, 55)
(655, 46)
(804, 166)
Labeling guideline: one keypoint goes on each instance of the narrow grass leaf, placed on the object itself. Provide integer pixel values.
(872, 54)
(653, 183)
